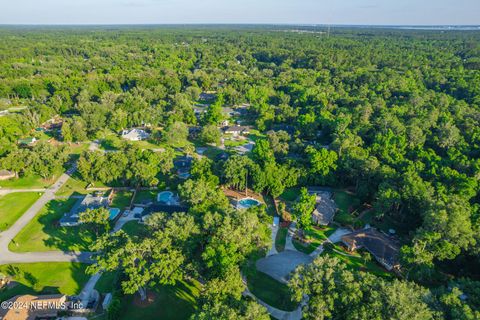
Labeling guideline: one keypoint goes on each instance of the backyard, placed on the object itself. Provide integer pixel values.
(14, 205)
(348, 205)
(121, 199)
(44, 278)
(44, 234)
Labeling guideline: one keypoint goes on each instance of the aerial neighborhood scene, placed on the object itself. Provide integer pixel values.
(246, 160)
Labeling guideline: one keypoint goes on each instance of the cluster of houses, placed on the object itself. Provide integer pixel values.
(384, 248)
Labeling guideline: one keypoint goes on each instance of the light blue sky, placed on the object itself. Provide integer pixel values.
(393, 12)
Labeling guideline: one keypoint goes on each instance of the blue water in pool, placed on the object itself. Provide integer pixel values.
(113, 213)
(248, 203)
(165, 196)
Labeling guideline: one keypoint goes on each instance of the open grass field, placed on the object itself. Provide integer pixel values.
(170, 303)
(13, 205)
(44, 234)
(315, 236)
(44, 278)
(270, 291)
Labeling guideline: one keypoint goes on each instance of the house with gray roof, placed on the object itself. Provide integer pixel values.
(71, 218)
(384, 248)
(325, 208)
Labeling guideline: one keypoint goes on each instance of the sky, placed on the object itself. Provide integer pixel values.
(362, 12)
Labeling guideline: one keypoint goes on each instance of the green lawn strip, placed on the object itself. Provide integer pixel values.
(270, 291)
(315, 236)
(44, 234)
(270, 205)
(14, 205)
(144, 195)
(29, 182)
(44, 278)
(177, 302)
(121, 199)
(281, 239)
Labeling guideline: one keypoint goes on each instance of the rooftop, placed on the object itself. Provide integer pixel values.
(384, 248)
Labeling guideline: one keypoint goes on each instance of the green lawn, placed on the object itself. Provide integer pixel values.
(281, 239)
(44, 278)
(356, 261)
(171, 303)
(44, 234)
(121, 199)
(75, 185)
(345, 202)
(290, 194)
(106, 282)
(315, 237)
(270, 291)
(145, 195)
(30, 182)
(13, 205)
(133, 228)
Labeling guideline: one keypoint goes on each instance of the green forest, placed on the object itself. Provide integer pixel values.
(387, 119)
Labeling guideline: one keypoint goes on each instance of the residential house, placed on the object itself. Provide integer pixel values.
(384, 248)
(237, 130)
(135, 134)
(325, 208)
(30, 307)
(71, 218)
(6, 174)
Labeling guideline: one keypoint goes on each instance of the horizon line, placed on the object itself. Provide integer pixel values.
(241, 24)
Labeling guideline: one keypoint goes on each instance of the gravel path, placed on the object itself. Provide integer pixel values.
(7, 191)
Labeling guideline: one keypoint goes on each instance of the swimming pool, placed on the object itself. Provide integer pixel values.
(113, 213)
(246, 203)
(167, 197)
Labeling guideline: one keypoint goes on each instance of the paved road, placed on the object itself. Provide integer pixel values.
(291, 232)
(6, 256)
(274, 227)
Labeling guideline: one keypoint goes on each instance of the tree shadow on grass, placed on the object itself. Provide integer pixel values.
(63, 238)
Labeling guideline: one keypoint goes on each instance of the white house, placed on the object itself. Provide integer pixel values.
(134, 134)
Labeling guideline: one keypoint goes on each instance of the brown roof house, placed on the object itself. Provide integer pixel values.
(325, 208)
(385, 249)
(29, 307)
